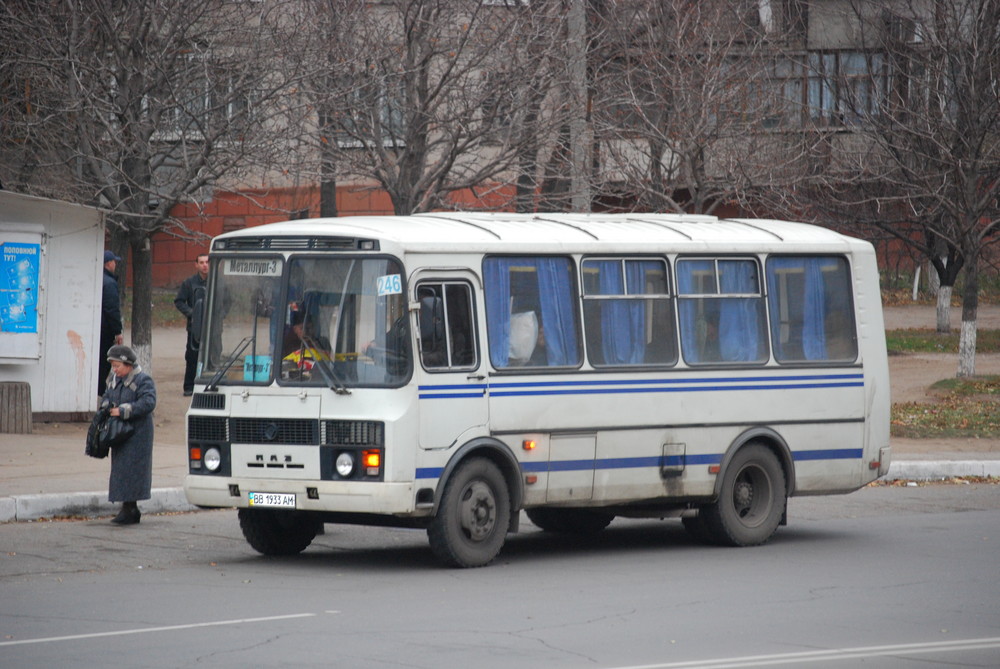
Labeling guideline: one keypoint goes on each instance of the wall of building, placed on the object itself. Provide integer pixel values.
(173, 257)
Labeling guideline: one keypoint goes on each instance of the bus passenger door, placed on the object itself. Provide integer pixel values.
(450, 381)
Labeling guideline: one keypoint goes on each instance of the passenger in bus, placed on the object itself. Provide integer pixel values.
(527, 340)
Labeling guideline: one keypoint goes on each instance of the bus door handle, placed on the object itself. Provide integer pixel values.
(475, 377)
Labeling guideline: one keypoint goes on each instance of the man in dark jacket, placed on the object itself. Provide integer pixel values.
(111, 319)
(190, 301)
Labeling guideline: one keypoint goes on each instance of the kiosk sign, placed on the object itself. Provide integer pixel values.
(19, 286)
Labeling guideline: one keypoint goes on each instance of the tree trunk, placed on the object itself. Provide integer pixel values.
(944, 309)
(970, 311)
(142, 301)
(580, 138)
(328, 168)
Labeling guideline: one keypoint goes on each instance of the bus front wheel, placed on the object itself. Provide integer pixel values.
(751, 502)
(273, 532)
(473, 517)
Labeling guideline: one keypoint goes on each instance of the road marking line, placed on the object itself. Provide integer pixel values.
(829, 655)
(147, 630)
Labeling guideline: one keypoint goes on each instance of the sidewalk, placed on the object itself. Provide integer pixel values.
(46, 474)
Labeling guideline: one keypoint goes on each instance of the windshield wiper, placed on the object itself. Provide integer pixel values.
(326, 367)
(213, 385)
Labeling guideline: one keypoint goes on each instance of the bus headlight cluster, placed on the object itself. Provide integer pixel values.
(363, 464)
(345, 464)
(212, 459)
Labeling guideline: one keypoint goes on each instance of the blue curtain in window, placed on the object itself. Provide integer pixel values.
(496, 274)
(739, 333)
(814, 312)
(688, 308)
(555, 295)
(622, 321)
(812, 304)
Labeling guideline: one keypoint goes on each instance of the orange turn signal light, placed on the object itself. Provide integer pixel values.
(528, 444)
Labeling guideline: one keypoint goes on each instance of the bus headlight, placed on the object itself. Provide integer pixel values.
(212, 459)
(345, 464)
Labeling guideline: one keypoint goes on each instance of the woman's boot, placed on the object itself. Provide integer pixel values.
(129, 514)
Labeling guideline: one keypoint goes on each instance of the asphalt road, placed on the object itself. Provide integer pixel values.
(891, 577)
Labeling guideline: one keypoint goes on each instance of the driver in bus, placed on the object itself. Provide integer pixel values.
(301, 346)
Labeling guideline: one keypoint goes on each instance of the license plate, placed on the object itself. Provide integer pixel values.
(273, 499)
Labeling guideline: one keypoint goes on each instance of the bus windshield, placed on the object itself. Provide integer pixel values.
(330, 321)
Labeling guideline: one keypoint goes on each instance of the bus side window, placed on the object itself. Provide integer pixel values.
(446, 334)
(721, 311)
(544, 286)
(812, 317)
(628, 312)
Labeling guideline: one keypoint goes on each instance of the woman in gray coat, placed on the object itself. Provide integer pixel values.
(131, 394)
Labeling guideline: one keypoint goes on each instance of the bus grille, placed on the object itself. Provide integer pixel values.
(273, 431)
(208, 401)
(353, 433)
(207, 428)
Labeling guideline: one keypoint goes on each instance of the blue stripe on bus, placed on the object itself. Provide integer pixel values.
(829, 454)
(551, 388)
(650, 461)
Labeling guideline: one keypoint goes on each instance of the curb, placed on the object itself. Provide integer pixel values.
(94, 504)
(935, 470)
(85, 504)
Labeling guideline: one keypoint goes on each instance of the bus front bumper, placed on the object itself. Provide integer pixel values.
(398, 499)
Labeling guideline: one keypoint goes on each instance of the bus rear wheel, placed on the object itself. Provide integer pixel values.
(472, 520)
(274, 532)
(751, 502)
(569, 521)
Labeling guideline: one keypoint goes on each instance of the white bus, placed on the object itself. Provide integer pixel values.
(447, 371)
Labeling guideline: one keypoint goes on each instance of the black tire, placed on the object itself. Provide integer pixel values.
(751, 502)
(474, 515)
(274, 532)
(569, 521)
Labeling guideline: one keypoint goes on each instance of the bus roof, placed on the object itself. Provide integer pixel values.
(507, 232)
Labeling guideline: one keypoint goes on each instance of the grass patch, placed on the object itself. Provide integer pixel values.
(966, 408)
(988, 385)
(929, 341)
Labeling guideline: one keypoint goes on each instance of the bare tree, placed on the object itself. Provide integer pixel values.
(426, 97)
(684, 94)
(138, 106)
(923, 105)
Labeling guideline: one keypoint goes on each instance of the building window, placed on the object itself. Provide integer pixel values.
(845, 87)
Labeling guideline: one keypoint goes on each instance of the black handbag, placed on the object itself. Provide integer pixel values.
(94, 447)
(106, 432)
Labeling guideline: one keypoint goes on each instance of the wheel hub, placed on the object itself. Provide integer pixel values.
(478, 514)
(743, 497)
